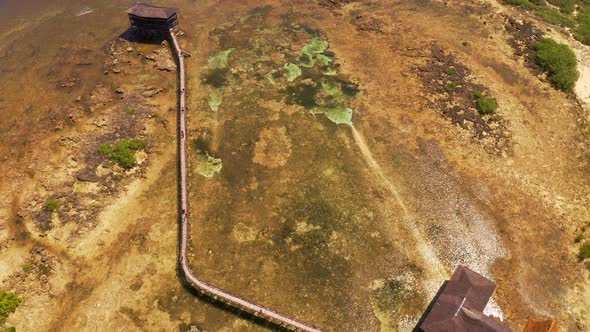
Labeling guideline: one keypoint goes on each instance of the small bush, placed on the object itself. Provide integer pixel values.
(565, 6)
(560, 63)
(451, 72)
(584, 252)
(27, 267)
(122, 152)
(484, 105)
(582, 32)
(9, 329)
(51, 205)
(8, 304)
(129, 111)
(552, 16)
(450, 87)
(105, 149)
(579, 238)
(526, 4)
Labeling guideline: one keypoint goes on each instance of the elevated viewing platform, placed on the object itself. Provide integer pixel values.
(149, 20)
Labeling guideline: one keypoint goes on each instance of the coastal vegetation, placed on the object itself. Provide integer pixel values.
(564, 13)
(122, 152)
(51, 205)
(484, 104)
(8, 304)
(584, 252)
(560, 63)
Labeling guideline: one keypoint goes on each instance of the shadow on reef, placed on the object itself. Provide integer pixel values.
(146, 37)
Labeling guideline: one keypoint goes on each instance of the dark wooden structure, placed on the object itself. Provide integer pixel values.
(459, 306)
(534, 325)
(152, 21)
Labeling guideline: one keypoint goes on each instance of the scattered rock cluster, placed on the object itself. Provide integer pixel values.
(368, 23)
(452, 94)
(120, 56)
(523, 36)
(109, 113)
(163, 58)
(34, 277)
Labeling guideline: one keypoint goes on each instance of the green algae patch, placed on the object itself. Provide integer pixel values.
(215, 100)
(274, 75)
(316, 46)
(220, 59)
(293, 71)
(325, 94)
(331, 88)
(312, 52)
(309, 77)
(324, 59)
(332, 100)
(338, 115)
(215, 73)
(331, 72)
(208, 165)
(328, 98)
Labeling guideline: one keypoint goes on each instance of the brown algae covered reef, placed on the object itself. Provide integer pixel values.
(293, 219)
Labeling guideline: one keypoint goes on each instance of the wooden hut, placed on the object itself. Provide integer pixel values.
(534, 325)
(147, 20)
(460, 304)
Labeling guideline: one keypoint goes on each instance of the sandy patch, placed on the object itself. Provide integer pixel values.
(273, 147)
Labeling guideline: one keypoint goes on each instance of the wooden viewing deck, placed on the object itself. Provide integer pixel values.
(203, 287)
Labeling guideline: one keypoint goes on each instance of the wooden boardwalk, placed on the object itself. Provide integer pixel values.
(209, 290)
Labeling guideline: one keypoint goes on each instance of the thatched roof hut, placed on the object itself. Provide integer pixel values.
(535, 325)
(460, 304)
(152, 18)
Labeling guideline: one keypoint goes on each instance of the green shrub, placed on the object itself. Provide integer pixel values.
(451, 72)
(579, 238)
(450, 87)
(552, 16)
(584, 251)
(582, 32)
(51, 205)
(129, 111)
(27, 267)
(122, 152)
(8, 304)
(565, 6)
(484, 105)
(105, 149)
(526, 4)
(9, 329)
(559, 17)
(560, 63)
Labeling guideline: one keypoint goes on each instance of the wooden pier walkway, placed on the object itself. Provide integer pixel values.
(209, 290)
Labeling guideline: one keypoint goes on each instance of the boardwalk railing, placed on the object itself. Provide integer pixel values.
(209, 290)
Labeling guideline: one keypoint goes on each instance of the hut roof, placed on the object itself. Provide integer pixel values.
(460, 304)
(149, 11)
(471, 286)
(465, 320)
(534, 325)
